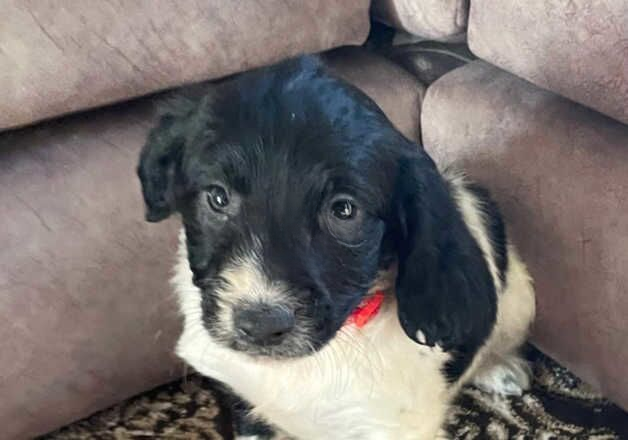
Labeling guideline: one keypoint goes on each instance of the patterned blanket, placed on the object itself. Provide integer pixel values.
(558, 406)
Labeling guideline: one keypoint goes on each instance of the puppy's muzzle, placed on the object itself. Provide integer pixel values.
(263, 324)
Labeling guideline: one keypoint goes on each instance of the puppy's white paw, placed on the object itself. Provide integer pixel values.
(443, 435)
(279, 436)
(508, 376)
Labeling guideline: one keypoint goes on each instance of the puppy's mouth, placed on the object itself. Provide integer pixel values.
(286, 350)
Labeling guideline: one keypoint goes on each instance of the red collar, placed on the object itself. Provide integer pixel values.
(367, 309)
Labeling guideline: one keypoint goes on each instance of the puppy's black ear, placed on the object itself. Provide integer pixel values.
(158, 165)
(444, 289)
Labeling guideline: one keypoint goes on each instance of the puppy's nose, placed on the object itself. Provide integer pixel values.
(264, 324)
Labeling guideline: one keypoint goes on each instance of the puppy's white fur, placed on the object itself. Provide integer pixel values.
(246, 281)
(372, 383)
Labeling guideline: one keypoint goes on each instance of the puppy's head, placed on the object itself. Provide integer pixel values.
(295, 191)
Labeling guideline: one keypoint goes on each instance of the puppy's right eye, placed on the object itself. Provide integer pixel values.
(217, 198)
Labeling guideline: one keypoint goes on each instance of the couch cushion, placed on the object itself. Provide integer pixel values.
(577, 48)
(560, 173)
(58, 58)
(86, 313)
(443, 20)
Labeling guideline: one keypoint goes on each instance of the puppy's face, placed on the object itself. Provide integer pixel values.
(284, 240)
(282, 185)
(296, 192)
(284, 231)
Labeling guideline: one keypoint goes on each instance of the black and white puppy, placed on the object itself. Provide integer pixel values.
(298, 200)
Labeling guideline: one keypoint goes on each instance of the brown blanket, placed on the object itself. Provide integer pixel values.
(559, 406)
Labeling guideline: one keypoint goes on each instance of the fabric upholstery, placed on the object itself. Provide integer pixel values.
(59, 57)
(443, 20)
(560, 173)
(577, 48)
(87, 317)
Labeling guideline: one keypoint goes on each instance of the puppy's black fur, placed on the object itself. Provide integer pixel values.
(285, 142)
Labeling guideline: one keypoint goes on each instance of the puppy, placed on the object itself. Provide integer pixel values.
(301, 204)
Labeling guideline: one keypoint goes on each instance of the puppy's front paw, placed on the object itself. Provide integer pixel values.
(507, 377)
(443, 435)
(277, 436)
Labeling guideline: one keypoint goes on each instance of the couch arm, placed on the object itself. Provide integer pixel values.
(578, 49)
(560, 173)
(58, 58)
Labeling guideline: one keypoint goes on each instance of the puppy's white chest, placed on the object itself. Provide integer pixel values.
(372, 383)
